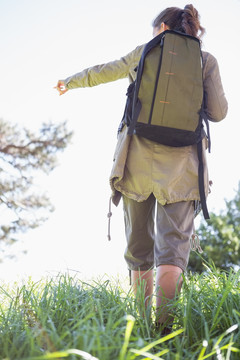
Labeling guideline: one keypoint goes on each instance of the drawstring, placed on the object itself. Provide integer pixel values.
(109, 215)
(109, 218)
(195, 243)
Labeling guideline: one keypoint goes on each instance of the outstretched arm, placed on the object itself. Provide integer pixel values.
(100, 74)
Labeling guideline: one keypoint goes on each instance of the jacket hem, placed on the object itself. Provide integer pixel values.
(118, 192)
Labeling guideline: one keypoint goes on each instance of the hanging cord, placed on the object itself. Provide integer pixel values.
(195, 243)
(109, 218)
(194, 240)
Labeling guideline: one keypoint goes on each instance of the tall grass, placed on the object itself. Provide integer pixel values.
(67, 318)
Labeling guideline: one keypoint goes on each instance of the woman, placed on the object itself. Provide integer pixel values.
(157, 179)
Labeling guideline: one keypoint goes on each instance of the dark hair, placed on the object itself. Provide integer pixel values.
(186, 20)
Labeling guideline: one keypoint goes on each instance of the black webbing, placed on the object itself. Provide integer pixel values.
(201, 181)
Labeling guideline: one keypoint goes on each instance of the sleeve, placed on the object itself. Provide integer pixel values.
(100, 74)
(215, 102)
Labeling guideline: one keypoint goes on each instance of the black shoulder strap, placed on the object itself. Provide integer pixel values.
(201, 181)
(204, 118)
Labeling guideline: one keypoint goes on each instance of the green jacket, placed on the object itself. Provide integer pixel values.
(142, 167)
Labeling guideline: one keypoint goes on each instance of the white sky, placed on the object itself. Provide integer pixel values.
(45, 40)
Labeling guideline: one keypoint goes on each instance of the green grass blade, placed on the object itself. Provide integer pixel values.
(155, 343)
(129, 327)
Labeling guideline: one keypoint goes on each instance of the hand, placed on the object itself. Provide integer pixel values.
(61, 87)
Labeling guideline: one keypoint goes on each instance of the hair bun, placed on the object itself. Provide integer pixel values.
(191, 21)
(190, 10)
